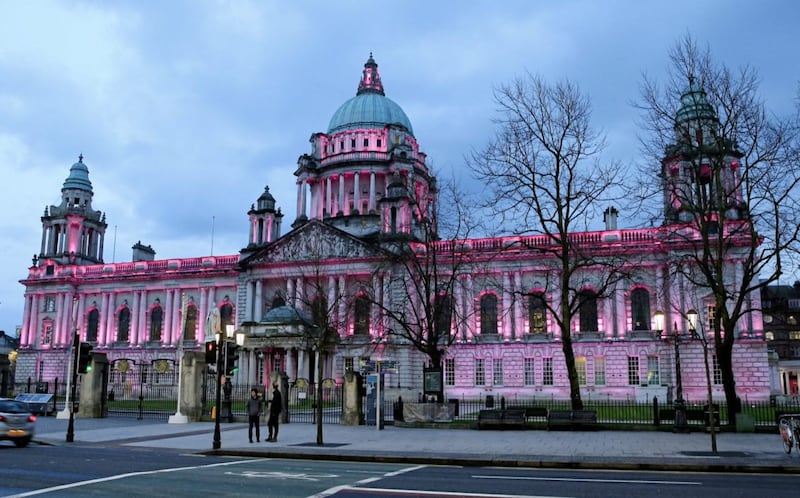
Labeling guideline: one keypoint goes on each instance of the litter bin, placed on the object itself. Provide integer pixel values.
(454, 402)
(489, 401)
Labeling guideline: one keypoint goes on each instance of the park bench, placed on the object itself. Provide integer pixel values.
(571, 419)
(535, 412)
(513, 417)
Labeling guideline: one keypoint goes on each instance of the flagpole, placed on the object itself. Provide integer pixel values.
(178, 417)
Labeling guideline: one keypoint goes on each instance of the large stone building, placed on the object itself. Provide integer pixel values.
(364, 184)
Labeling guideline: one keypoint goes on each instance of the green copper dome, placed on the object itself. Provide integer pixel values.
(694, 104)
(78, 177)
(370, 108)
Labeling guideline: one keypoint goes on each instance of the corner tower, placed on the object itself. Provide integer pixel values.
(369, 145)
(701, 170)
(73, 232)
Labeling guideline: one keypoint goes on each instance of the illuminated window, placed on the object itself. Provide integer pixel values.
(640, 309)
(497, 372)
(190, 326)
(547, 371)
(537, 314)
(580, 367)
(653, 371)
(633, 370)
(599, 371)
(794, 335)
(530, 377)
(50, 303)
(47, 333)
(488, 314)
(361, 318)
(711, 312)
(450, 372)
(156, 323)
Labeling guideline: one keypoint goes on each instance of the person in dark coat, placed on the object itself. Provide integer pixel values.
(253, 415)
(275, 408)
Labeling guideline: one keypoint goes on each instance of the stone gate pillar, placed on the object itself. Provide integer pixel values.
(352, 412)
(92, 388)
(193, 369)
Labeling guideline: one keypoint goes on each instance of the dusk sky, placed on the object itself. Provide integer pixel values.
(185, 110)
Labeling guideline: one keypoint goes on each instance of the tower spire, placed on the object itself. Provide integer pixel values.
(370, 78)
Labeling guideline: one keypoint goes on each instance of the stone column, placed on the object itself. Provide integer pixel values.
(352, 413)
(91, 396)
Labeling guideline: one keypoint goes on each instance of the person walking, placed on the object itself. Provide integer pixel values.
(275, 408)
(253, 415)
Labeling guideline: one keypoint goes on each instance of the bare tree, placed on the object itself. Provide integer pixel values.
(545, 177)
(322, 299)
(729, 183)
(422, 273)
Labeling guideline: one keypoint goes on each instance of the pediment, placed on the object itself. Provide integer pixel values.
(314, 241)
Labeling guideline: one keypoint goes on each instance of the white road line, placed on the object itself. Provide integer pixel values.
(123, 476)
(368, 480)
(575, 479)
(416, 492)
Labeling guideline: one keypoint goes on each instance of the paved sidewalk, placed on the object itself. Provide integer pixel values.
(646, 450)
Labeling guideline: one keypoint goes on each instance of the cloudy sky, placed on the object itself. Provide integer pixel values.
(185, 110)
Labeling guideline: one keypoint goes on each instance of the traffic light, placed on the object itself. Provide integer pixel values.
(84, 358)
(211, 353)
(231, 359)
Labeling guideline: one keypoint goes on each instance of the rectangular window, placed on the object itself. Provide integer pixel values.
(348, 364)
(497, 372)
(599, 371)
(711, 312)
(353, 143)
(379, 143)
(530, 378)
(547, 371)
(580, 367)
(633, 371)
(653, 371)
(366, 142)
(450, 372)
(717, 373)
(480, 372)
(47, 333)
(50, 303)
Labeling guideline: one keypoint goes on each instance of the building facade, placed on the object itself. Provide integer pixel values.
(364, 185)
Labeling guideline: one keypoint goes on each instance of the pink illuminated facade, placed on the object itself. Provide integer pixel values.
(366, 181)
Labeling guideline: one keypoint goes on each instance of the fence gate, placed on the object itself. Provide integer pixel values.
(142, 390)
(303, 402)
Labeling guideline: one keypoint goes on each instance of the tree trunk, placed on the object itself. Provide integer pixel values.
(318, 396)
(725, 361)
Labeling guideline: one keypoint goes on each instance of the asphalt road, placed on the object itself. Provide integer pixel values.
(81, 470)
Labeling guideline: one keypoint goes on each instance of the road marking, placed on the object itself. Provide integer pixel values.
(417, 492)
(124, 476)
(300, 476)
(368, 480)
(576, 479)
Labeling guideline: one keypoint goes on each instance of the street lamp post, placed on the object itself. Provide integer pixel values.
(221, 344)
(680, 406)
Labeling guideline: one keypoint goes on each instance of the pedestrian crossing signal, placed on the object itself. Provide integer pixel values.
(84, 358)
(211, 353)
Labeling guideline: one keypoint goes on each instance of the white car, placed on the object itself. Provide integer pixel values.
(17, 423)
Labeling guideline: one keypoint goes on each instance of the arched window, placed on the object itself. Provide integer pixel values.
(488, 314)
(640, 309)
(442, 314)
(361, 315)
(156, 323)
(92, 323)
(123, 324)
(587, 310)
(537, 313)
(319, 311)
(190, 325)
(225, 315)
